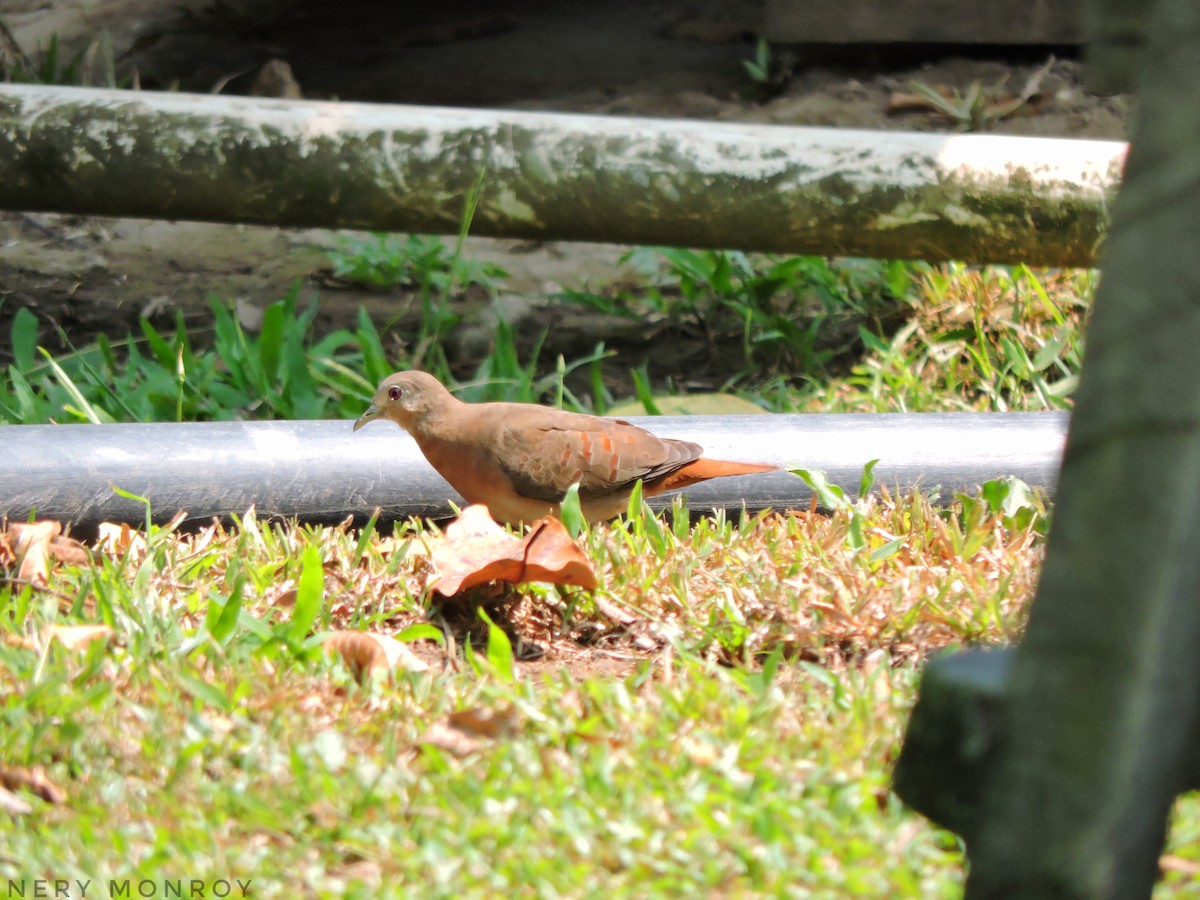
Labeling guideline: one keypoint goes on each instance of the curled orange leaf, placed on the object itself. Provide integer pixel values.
(475, 550)
(369, 655)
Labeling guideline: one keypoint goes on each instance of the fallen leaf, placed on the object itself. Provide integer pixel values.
(483, 721)
(75, 637)
(368, 655)
(30, 546)
(475, 550)
(32, 550)
(1169, 862)
(451, 740)
(70, 551)
(408, 546)
(12, 804)
(274, 79)
(249, 315)
(903, 101)
(702, 753)
(364, 871)
(470, 730)
(119, 539)
(33, 780)
(286, 598)
(613, 612)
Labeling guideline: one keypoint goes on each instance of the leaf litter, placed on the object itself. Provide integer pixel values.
(31, 547)
(733, 591)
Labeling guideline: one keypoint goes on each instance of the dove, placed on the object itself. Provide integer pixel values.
(519, 459)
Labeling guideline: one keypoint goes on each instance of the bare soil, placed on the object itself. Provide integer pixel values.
(84, 276)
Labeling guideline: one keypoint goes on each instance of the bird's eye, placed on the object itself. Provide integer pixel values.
(395, 393)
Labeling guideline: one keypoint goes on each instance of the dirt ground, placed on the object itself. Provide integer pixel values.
(90, 275)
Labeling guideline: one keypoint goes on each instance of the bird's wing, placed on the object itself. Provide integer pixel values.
(543, 459)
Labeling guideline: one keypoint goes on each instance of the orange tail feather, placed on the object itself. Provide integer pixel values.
(701, 470)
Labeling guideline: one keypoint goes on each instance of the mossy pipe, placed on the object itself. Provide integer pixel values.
(553, 176)
(321, 471)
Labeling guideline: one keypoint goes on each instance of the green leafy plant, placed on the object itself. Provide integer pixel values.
(759, 68)
(785, 311)
(93, 65)
(994, 338)
(976, 339)
(427, 268)
(1011, 500)
(416, 261)
(970, 110)
(979, 105)
(834, 498)
(268, 374)
(770, 73)
(499, 660)
(282, 370)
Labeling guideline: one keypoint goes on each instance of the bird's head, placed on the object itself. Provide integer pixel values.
(406, 398)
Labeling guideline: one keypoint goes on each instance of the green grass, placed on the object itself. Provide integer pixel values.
(786, 314)
(810, 336)
(638, 786)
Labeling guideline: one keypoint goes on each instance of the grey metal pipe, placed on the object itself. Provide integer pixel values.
(554, 176)
(319, 471)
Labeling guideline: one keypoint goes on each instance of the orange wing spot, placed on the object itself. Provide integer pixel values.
(606, 442)
(585, 446)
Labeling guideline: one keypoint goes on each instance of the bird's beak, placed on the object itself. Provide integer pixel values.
(371, 414)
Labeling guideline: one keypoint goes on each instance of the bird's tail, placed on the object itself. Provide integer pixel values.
(703, 469)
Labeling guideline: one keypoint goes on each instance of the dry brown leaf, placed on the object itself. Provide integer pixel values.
(453, 741)
(12, 804)
(21, 532)
(475, 550)
(485, 722)
(369, 655)
(409, 546)
(1169, 862)
(275, 79)
(702, 753)
(118, 539)
(903, 101)
(30, 546)
(32, 549)
(33, 780)
(996, 105)
(68, 550)
(613, 612)
(287, 598)
(77, 637)
(470, 730)
(365, 871)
